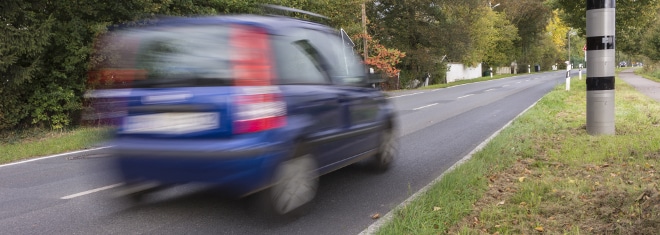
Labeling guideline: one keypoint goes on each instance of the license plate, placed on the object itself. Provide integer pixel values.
(171, 123)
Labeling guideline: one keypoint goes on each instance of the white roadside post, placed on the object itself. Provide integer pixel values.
(568, 76)
(580, 72)
(491, 72)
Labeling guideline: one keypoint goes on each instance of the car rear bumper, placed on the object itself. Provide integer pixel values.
(236, 171)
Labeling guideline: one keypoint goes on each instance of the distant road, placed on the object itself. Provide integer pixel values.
(72, 194)
(643, 85)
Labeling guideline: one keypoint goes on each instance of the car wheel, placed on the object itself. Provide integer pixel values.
(295, 184)
(387, 151)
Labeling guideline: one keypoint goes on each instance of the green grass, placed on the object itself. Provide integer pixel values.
(35, 142)
(651, 75)
(545, 173)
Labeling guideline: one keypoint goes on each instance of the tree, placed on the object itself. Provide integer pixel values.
(429, 31)
(382, 58)
(633, 18)
(46, 46)
(531, 18)
(411, 27)
(557, 32)
(501, 35)
(25, 37)
(651, 46)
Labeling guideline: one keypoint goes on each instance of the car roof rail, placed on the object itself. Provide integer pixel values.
(290, 12)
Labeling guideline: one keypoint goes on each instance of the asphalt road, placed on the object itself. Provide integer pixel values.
(643, 85)
(73, 194)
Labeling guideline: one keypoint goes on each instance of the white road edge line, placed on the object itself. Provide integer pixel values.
(490, 90)
(373, 228)
(91, 191)
(56, 155)
(465, 96)
(404, 95)
(425, 106)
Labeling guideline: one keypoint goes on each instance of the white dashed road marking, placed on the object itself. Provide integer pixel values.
(404, 95)
(425, 106)
(91, 191)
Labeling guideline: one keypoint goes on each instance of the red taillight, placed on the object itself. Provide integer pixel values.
(258, 107)
(259, 111)
(251, 60)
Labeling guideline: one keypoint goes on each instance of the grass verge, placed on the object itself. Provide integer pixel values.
(544, 173)
(30, 143)
(651, 75)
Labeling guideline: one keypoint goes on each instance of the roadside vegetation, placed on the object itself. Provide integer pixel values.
(545, 174)
(36, 142)
(651, 72)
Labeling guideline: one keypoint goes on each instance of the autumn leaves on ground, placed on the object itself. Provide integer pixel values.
(545, 174)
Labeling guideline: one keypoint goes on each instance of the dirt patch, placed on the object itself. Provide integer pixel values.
(653, 156)
(604, 201)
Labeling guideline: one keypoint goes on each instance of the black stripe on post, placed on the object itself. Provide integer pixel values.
(600, 83)
(600, 4)
(600, 43)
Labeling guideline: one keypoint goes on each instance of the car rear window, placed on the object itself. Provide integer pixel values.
(172, 56)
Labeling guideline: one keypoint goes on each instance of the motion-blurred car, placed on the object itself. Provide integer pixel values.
(251, 104)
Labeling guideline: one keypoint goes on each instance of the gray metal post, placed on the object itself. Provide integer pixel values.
(601, 63)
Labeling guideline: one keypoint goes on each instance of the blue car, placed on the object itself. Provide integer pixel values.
(250, 104)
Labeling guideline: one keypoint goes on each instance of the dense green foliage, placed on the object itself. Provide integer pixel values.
(633, 18)
(432, 32)
(651, 42)
(530, 18)
(45, 48)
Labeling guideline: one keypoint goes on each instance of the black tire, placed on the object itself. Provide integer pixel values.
(388, 150)
(293, 190)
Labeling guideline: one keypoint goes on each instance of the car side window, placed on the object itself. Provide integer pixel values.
(297, 62)
(345, 67)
